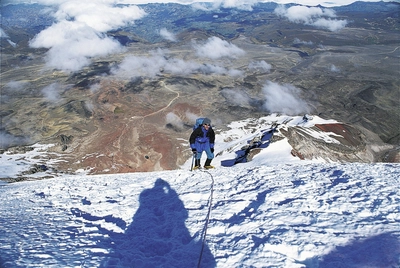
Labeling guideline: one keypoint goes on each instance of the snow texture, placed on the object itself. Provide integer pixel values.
(263, 213)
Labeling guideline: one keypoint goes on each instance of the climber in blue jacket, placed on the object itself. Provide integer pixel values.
(202, 139)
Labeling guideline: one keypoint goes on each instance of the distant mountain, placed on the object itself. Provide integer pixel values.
(178, 18)
(25, 16)
(369, 7)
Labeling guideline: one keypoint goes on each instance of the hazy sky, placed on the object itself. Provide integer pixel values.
(232, 3)
(224, 3)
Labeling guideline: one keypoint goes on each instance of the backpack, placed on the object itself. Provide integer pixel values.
(199, 122)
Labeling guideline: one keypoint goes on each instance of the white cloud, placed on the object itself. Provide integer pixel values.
(262, 66)
(7, 140)
(315, 16)
(331, 25)
(79, 33)
(72, 44)
(202, 6)
(216, 48)
(174, 120)
(191, 117)
(302, 14)
(157, 63)
(16, 85)
(283, 99)
(239, 4)
(167, 35)
(89, 105)
(52, 92)
(236, 97)
(134, 66)
(98, 15)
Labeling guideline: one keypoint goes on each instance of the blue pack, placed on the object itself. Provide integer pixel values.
(199, 122)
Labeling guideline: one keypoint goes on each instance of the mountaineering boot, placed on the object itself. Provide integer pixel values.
(196, 164)
(207, 164)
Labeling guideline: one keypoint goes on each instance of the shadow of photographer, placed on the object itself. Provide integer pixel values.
(157, 236)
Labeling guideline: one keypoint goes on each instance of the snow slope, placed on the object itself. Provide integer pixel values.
(275, 211)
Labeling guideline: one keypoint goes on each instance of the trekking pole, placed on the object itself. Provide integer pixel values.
(191, 167)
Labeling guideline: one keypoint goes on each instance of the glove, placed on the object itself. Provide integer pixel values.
(194, 151)
(212, 150)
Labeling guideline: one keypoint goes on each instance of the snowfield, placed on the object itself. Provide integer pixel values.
(274, 211)
(315, 215)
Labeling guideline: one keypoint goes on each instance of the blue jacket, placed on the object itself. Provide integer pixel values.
(200, 138)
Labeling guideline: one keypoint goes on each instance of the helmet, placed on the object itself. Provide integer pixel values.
(206, 121)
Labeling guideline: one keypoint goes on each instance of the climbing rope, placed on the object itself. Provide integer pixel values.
(210, 199)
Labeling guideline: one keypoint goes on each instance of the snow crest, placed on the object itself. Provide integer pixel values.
(289, 215)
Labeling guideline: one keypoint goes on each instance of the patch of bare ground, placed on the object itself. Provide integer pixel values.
(346, 145)
(131, 132)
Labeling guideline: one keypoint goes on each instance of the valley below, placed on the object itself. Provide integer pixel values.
(133, 111)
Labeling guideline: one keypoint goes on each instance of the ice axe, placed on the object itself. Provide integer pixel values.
(191, 166)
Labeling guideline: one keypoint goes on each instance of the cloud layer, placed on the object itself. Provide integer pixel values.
(174, 120)
(216, 48)
(236, 97)
(216, 4)
(7, 140)
(315, 16)
(158, 62)
(79, 33)
(53, 92)
(167, 35)
(284, 99)
(275, 98)
(261, 66)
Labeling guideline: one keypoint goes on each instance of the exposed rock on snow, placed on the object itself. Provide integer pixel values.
(331, 142)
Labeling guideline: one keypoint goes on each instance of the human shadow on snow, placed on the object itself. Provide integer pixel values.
(157, 236)
(381, 251)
